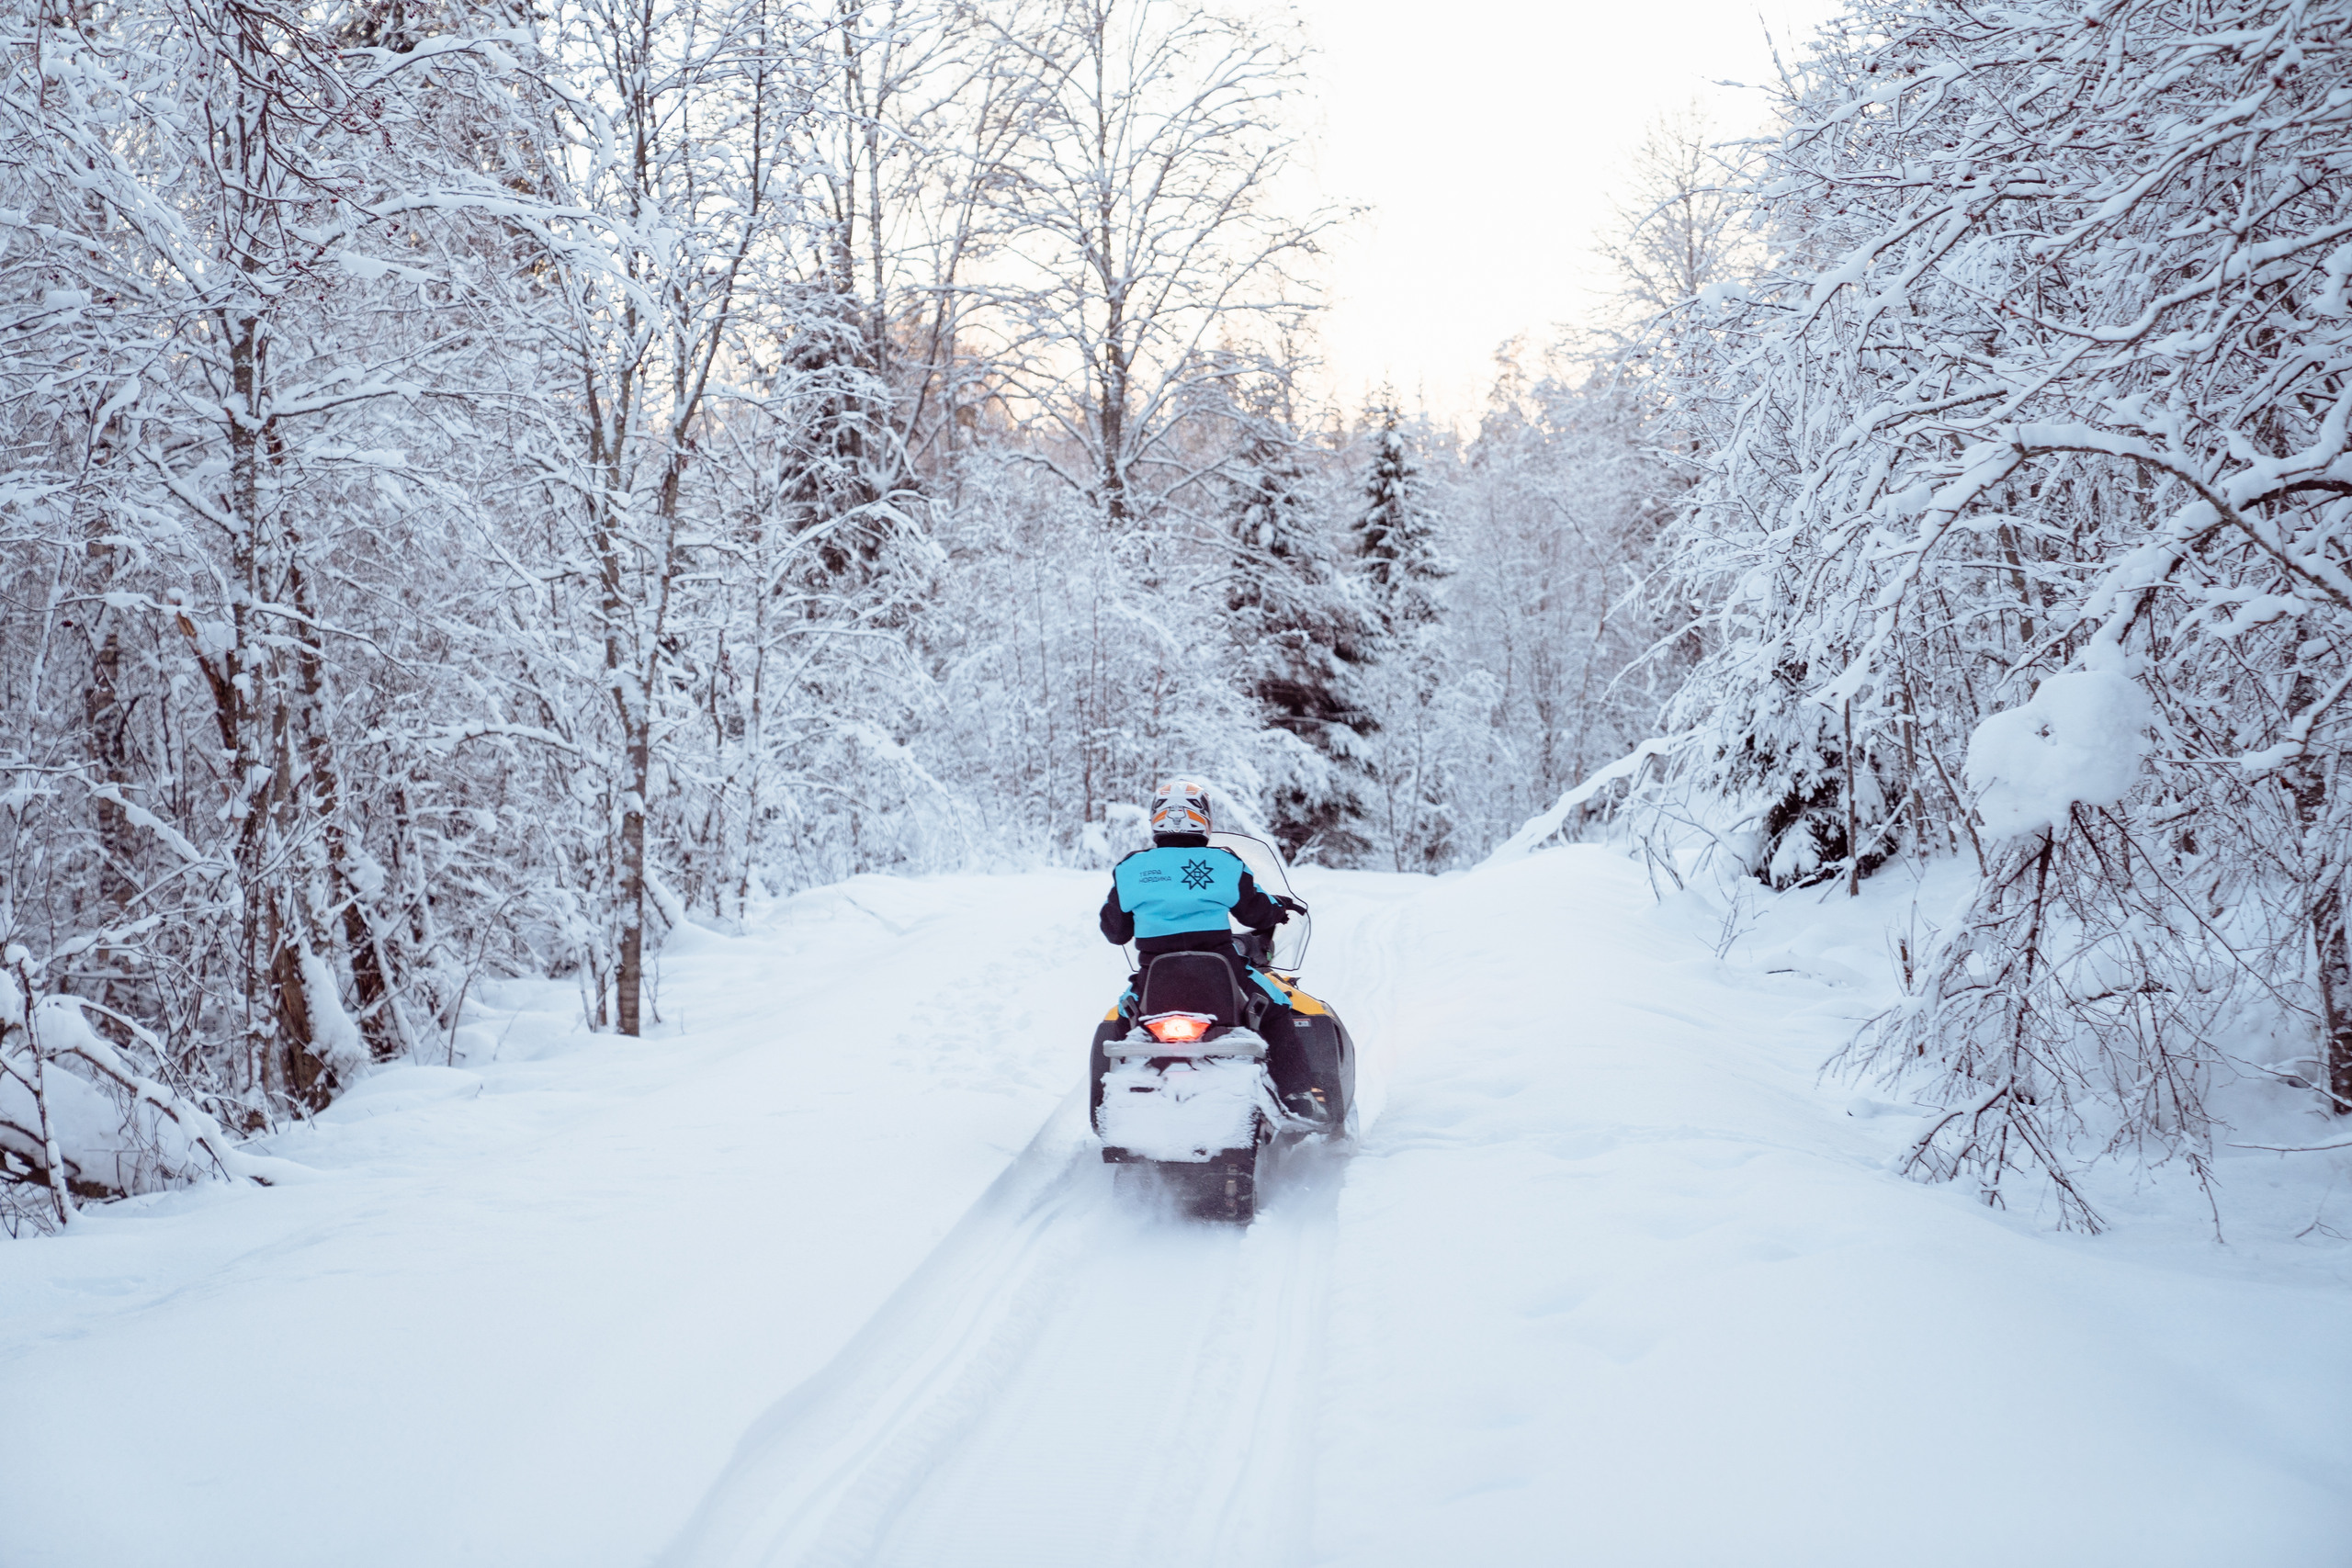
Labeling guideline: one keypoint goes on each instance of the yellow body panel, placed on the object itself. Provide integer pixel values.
(1299, 1000)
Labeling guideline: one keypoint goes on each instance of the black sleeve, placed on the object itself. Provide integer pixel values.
(1117, 924)
(1254, 909)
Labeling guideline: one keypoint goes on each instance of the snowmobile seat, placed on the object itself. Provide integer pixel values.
(1193, 981)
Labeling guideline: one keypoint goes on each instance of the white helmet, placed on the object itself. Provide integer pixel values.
(1181, 805)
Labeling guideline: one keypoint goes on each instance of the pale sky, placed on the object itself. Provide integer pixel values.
(1489, 136)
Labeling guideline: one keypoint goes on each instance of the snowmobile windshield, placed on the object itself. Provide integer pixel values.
(1265, 863)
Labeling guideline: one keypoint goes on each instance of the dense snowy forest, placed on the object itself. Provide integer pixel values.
(487, 485)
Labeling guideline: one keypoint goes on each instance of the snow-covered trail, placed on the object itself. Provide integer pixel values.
(1619, 1281)
(828, 1273)
(1072, 1378)
(1066, 1382)
(530, 1304)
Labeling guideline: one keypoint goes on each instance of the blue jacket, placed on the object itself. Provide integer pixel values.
(1175, 889)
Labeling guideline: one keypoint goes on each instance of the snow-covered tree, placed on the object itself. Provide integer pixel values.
(1555, 512)
(2040, 392)
(221, 452)
(1397, 532)
(1406, 686)
(1300, 639)
(1155, 267)
(479, 486)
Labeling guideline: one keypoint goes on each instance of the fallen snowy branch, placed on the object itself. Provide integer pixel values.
(1538, 828)
(58, 1033)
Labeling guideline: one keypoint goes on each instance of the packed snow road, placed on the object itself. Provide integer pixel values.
(826, 1272)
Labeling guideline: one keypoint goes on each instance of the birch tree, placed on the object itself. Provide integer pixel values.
(672, 196)
(1156, 268)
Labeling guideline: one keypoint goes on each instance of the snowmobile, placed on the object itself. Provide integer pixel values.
(1204, 1067)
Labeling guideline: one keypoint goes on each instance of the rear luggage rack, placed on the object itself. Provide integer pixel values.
(1218, 1042)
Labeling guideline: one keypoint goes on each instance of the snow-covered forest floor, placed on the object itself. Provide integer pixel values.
(824, 1270)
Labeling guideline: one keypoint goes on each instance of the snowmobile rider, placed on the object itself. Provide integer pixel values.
(1175, 896)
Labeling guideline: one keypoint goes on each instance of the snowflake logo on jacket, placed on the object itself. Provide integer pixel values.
(1197, 873)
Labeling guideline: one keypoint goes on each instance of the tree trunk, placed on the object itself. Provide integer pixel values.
(2335, 992)
(2325, 917)
(107, 721)
(632, 965)
(2306, 782)
(619, 669)
(1853, 826)
(377, 1023)
(51, 1153)
(235, 691)
(637, 719)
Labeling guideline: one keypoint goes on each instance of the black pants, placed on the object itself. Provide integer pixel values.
(1225, 942)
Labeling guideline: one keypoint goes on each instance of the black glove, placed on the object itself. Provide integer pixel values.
(1289, 904)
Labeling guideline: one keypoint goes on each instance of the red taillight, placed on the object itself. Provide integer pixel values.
(1178, 1028)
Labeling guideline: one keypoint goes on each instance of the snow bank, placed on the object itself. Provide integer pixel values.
(2079, 740)
(402, 1087)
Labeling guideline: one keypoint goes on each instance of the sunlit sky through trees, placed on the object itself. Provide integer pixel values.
(1488, 136)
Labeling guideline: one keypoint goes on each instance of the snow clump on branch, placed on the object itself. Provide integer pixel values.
(2078, 740)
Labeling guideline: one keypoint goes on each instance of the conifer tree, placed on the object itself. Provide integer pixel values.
(1300, 640)
(1398, 570)
(1397, 535)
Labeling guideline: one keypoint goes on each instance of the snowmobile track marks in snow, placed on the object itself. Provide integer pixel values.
(1063, 1381)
